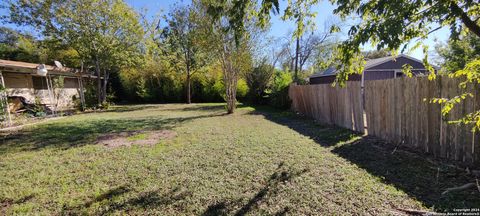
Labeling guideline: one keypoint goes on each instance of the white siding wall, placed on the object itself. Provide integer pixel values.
(21, 85)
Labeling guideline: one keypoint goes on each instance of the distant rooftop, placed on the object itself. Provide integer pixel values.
(369, 64)
(26, 67)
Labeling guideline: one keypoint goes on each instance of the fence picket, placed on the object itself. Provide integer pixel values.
(395, 110)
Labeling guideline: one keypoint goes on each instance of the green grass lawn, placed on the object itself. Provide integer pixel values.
(256, 161)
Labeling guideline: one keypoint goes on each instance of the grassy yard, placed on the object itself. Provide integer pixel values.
(203, 162)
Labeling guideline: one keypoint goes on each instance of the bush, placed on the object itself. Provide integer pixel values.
(242, 89)
(278, 96)
(91, 99)
(259, 81)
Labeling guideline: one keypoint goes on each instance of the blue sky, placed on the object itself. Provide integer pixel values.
(279, 28)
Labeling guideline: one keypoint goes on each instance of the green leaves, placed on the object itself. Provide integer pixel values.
(471, 76)
(108, 29)
(393, 24)
(407, 70)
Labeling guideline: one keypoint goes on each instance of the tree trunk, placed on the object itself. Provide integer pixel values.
(297, 53)
(469, 23)
(106, 76)
(99, 80)
(230, 89)
(230, 76)
(189, 97)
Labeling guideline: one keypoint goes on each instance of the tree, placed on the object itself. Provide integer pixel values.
(373, 54)
(457, 53)
(105, 33)
(235, 59)
(313, 48)
(182, 34)
(20, 47)
(258, 81)
(238, 12)
(299, 11)
(232, 50)
(393, 25)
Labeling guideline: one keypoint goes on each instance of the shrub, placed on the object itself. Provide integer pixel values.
(259, 80)
(278, 96)
(242, 89)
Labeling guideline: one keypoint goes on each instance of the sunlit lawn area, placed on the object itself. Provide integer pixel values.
(195, 160)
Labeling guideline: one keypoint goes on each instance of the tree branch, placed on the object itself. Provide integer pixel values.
(469, 23)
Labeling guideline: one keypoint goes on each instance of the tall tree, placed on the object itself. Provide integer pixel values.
(458, 52)
(310, 48)
(233, 48)
(105, 33)
(182, 34)
(20, 47)
(235, 59)
(299, 11)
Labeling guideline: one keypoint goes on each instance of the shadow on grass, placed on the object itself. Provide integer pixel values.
(144, 200)
(221, 107)
(108, 195)
(280, 176)
(326, 136)
(68, 135)
(150, 199)
(6, 203)
(416, 174)
(130, 108)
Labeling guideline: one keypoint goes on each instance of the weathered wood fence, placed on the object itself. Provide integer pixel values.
(396, 110)
(330, 105)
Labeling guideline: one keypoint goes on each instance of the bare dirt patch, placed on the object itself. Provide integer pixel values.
(113, 140)
(4, 206)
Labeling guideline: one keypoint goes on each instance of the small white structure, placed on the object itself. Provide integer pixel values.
(42, 70)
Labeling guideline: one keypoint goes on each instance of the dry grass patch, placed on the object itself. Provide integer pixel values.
(130, 138)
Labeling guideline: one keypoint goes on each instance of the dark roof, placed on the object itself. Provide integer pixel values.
(369, 64)
(374, 62)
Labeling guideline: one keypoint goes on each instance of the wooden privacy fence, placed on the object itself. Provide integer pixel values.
(330, 105)
(396, 110)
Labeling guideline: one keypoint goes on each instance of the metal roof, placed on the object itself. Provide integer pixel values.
(328, 72)
(26, 67)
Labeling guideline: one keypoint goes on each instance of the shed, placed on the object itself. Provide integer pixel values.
(389, 67)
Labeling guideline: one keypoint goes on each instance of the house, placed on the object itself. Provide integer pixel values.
(389, 67)
(36, 83)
